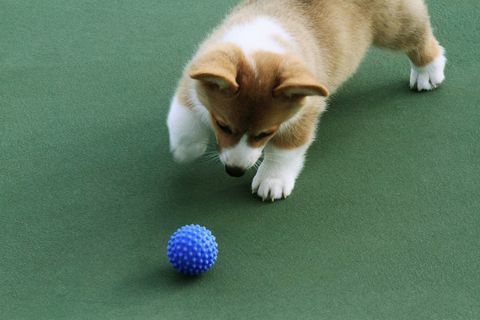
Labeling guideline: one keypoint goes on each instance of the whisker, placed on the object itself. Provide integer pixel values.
(257, 163)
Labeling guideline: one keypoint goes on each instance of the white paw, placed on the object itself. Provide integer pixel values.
(272, 186)
(429, 76)
(188, 135)
(188, 151)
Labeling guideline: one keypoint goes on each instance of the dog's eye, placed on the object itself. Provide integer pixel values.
(263, 135)
(226, 129)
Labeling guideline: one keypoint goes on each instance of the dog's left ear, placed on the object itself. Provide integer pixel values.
(296, 81)
(217, 69)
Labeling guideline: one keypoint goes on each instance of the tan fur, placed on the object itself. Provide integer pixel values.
(422, 56)
(183, 96)
(260, 105)
(331, 39)
(301, 132)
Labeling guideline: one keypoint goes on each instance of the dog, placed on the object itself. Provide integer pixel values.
(261, 79)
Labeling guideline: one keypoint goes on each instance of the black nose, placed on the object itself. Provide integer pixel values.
(235, 171)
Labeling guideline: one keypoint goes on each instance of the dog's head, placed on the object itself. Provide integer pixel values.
(249, 99)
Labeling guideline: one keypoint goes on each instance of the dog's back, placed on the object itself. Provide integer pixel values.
(340, 31)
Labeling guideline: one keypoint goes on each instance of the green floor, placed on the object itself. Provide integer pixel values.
(384, 222)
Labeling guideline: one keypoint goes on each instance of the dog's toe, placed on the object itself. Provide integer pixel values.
(273, 188)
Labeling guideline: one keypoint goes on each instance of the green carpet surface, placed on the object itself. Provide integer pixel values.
(384, 222)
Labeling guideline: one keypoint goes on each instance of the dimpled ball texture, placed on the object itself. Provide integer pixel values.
(192, 250)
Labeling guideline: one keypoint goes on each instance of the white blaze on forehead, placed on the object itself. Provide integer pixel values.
(260, 34)
(241, 155)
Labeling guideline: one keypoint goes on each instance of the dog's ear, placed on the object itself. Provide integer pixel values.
(217, 69)
(296, 81)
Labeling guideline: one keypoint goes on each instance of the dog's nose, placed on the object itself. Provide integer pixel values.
(235, 171)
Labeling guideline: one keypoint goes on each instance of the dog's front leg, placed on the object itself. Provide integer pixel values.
(276, 175)
(188, 134)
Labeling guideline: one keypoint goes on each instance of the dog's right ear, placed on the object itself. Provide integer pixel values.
(217, 69)
(296, 81)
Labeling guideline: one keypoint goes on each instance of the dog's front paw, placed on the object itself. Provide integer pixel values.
(188, 152)
(430, 76)
(187, 134)
(272, 186)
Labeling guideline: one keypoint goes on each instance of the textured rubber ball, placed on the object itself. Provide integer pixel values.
(192, 250)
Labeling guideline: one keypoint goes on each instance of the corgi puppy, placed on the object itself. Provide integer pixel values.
(261, 79)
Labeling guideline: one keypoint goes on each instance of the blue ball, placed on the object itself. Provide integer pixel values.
(192, 250)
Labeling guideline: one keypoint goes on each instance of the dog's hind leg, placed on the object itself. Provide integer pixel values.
(405, 26)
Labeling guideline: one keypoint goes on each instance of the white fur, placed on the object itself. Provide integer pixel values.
(278, 172)
(429, 76)
(241, 155)
(258, 35)
(188, 135)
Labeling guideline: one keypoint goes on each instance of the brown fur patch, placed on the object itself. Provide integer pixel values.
(253, 108)
(302, 131)
(219, 67)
